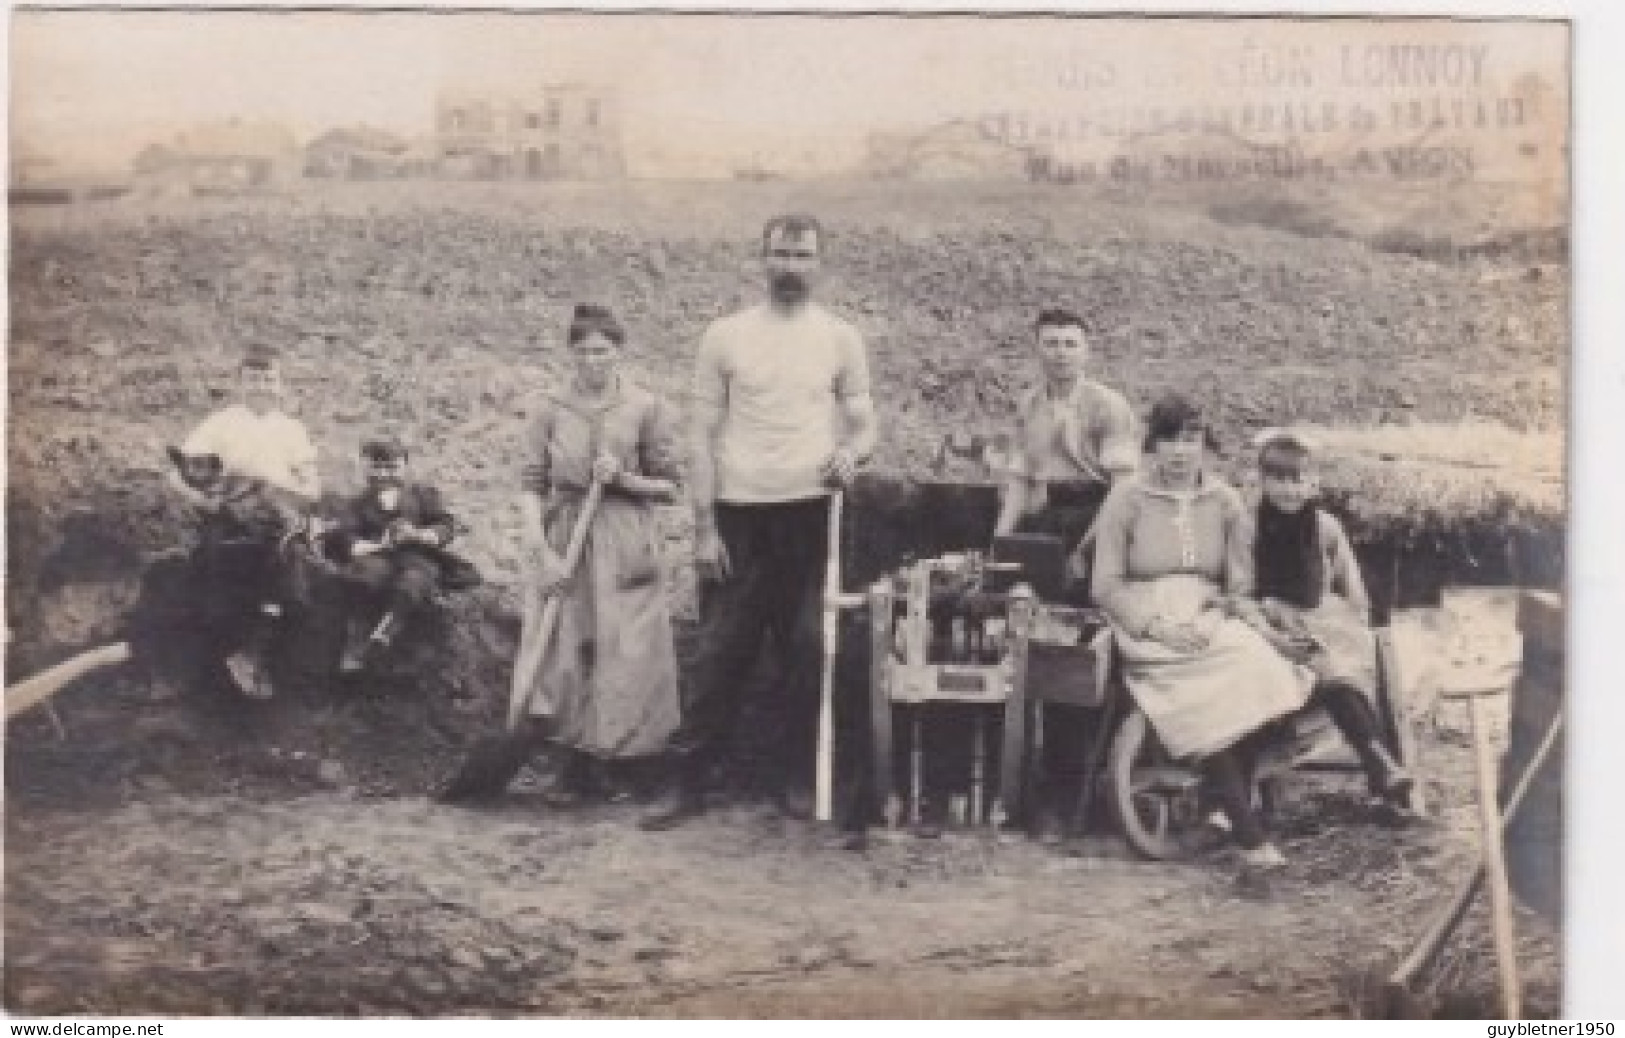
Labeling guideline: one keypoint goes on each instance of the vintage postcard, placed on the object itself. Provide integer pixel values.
(785, 515)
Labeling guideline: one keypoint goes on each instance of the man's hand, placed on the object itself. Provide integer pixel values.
(1281, 616)
(606, 468)
(403, 532)
(710, 555)
(839, 469)
(1297, 648)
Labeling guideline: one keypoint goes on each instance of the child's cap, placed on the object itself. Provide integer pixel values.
(1267, 438)
(260, 356)
(385, 447)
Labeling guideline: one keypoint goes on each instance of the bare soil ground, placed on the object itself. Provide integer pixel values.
(160, 864)
(169, 857)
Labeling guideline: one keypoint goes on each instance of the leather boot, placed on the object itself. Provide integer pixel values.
(576, 783)
(247, 666)
(686, 802)
(1387, 779)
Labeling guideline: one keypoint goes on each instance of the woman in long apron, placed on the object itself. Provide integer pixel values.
(607, 686)
(1173, 570)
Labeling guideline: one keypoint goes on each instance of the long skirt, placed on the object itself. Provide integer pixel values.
(608, 679)
(1203, 702)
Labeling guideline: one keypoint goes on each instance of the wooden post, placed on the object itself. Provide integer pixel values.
(880, 708)
(1391, 690)
(1013, 748)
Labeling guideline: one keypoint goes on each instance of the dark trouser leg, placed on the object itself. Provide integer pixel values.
(412, 588)
(250, 568)
(799, 550)
(733, 620)
(1353, 716)
(1227, 782)
(1066, 730)
(368, 581)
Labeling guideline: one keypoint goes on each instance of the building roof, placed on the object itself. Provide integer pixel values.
(361, 139)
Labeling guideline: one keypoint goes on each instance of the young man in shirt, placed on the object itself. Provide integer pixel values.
(269, 453)
(1074, 438)
(782, 417)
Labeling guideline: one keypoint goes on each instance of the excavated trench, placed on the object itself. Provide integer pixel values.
(76, 581)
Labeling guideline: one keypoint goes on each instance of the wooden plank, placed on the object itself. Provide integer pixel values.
(47, 683)
(1013, 749)
(1401, 734)
(880, 707)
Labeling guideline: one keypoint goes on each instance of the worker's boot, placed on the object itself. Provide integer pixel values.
(686, 802)
(1386, 777)
(577, 782)
(247, 666)
(361, 652)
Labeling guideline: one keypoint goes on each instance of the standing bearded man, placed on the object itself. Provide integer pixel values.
(782, 419)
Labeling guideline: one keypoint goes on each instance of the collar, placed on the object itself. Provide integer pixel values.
(1203, 488)
(613, 395)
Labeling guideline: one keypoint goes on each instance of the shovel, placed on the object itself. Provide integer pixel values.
(494, 760)
(542, 615)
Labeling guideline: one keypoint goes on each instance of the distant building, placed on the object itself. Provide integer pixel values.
(42, 179)
(957, 150)
(364, 153)
(227, 157)
(559, 132)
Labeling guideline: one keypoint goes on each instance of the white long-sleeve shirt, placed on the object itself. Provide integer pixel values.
(272, 447)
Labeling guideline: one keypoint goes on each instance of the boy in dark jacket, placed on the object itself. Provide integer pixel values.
(392, 541)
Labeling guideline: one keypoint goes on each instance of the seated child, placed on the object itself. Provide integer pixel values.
(392, 541)
(250, 471)
(1313, 602)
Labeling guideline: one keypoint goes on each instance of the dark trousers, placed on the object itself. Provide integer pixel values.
(776, 558)
(1068, 513)
(212, 602)
(398, 581)
(1228, 772)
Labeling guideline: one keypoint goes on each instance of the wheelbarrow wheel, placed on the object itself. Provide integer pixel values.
(1156, 801)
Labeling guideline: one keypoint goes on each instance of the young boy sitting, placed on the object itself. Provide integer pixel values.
(250, 472)
(392, 541)
(1313, 605)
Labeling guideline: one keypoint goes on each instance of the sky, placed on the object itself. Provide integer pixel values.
(94, 85)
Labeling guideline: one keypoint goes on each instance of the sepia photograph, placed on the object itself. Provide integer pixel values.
(587, 514)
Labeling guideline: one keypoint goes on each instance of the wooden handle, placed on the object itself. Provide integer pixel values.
(49, 682)
(824, 780)
(1450, 917)
(540, 626)
(1495, 869)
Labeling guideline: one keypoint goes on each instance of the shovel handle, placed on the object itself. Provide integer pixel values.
(824, 779)
(541, 626)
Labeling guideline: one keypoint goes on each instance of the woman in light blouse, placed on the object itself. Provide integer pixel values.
(1173, 570)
